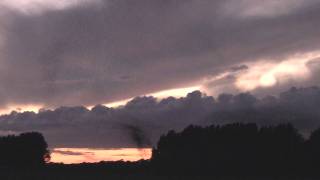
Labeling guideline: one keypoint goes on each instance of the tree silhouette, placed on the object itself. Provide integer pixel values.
(25, 150)
(230, 149)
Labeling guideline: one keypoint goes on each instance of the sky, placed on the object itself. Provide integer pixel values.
(62, 60)
(79, 155)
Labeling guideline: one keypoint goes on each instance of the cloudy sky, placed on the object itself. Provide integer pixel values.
(80, 53)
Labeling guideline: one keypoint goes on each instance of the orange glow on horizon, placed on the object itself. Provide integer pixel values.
(79, 155)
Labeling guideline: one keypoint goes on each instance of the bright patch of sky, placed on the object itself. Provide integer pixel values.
(261, 9)
(264, 74)
(39, 6)
(89, 155)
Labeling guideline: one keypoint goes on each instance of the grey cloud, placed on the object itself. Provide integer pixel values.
(225, 83)
(141, 121)
(72, 153)
(239, 68)
(313, 66)
(263, 9)
(88, 55)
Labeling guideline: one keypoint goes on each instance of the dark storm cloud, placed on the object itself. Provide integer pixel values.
(90, 54)
(137, 135)
(141, 121)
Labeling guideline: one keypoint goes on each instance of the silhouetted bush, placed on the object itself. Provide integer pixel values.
(24, 150)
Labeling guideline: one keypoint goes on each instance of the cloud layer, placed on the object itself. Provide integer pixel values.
(93, 53)
(83, 53)
(142, 120)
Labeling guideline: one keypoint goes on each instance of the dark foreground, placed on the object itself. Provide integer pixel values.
(124, 171)
(232, 151)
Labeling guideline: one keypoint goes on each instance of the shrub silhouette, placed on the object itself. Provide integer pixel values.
(24, 150)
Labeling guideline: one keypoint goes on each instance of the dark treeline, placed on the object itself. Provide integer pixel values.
(238, 149)
(232, 150)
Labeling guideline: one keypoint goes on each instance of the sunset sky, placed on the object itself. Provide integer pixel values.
(59, 59)
(79, 155)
